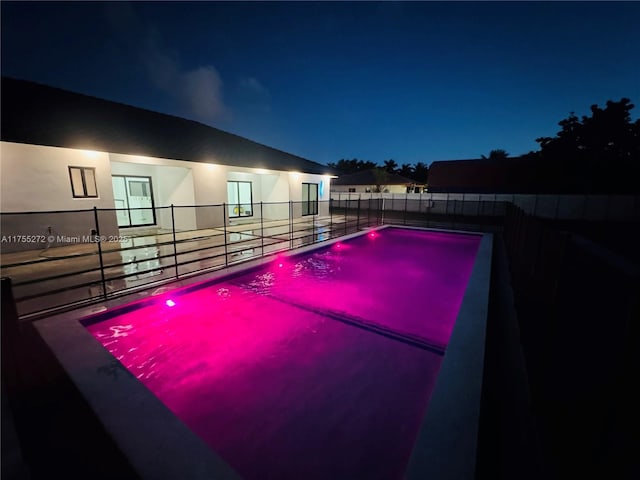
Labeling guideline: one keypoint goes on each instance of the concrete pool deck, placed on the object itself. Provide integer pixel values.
(72, 271)
(160, 446)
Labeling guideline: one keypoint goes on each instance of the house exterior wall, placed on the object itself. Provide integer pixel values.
(36, 179)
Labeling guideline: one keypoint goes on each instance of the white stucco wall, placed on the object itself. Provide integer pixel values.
(36, 179)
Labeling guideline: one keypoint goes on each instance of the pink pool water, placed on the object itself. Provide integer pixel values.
(317, 366)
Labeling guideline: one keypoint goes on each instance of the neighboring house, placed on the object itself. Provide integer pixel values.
(509, 175)
(374, 181)
(67, 151)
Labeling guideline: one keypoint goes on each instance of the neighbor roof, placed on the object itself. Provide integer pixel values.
(38, 114)
(509, 175)
(368, 177)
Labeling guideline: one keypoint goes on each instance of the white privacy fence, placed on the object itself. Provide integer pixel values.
(566, 207)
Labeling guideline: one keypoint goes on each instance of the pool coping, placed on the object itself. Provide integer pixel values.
(447, 443)
(159, 446)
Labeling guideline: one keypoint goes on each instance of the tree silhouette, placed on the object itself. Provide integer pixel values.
(351, 166)
(407, 170)
(390, 166)
(596, 153)
(420, 172)
(496, 155)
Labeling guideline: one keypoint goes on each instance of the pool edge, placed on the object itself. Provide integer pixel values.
(152, 438)
(447, 441)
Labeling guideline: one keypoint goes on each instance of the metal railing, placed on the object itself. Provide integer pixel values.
(65, 259)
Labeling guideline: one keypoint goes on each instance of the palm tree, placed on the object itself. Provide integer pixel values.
(420, 172)
(498, 154)
(390, 166)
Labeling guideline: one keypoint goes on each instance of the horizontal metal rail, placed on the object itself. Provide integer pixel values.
(50, 278)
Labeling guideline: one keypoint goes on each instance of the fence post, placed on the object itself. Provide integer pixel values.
(175, 246)
(358, 214)
(290, 224)
(261, 231)
(330, 217)
(313, 228)
(102, 278)
(224, 229)
(369, 213)
(406, 202)
(10, 338)
(346, 212)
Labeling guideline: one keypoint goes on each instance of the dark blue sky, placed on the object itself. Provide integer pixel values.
(411, 81)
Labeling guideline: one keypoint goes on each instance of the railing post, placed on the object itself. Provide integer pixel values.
(175, 246)
(406, 206)
(261, 230)
(224, 229)
(358, 215)
(102, 278)
(290, 224)
(330, 218)
(10, 338)
(369, 213)
(346, 211)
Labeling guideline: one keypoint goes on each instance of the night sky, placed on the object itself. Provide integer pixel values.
(412, 81)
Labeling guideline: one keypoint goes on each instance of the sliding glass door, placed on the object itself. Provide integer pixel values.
(309, 199)
(133, 197)
(240, 199)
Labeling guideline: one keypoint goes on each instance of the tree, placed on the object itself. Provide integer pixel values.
(597, 153)
(496, 155)
(407, 170)
(420, 172)
(351, 166)
(390, 166)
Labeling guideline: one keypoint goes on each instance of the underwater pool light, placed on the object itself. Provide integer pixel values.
(170, 303)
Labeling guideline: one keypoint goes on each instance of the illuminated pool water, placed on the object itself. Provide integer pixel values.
(315, 366)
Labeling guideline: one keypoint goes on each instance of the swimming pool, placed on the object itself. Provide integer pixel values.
(312, 366)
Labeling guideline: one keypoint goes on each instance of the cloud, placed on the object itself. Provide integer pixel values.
(254, 93)
(202, 92)
(197, 93)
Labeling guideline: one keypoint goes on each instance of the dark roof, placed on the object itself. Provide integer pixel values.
(38, 114)
(509, 175)
(368, 177)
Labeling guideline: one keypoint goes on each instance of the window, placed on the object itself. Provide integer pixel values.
(352, 190)
(309, 199)
(133, 197)
(83, 182)
(240, 198)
